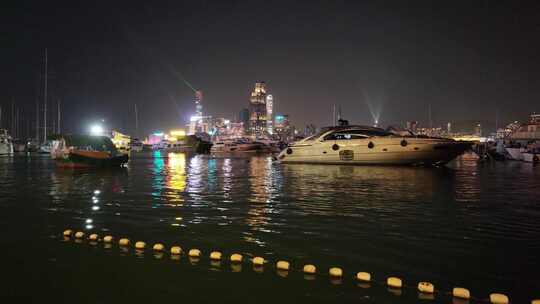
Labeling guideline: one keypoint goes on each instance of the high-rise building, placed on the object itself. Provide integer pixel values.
(257, 110)
(269, 111)
(283, 128)
(478, 130)
(243, 117)
(198, 123)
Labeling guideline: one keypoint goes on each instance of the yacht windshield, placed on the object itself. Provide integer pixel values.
(355, 134)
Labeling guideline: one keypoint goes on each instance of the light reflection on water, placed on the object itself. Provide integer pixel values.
(424, 223)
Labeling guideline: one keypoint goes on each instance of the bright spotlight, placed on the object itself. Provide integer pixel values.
(96, 130)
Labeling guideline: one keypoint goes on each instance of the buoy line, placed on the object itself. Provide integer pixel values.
(395, 284)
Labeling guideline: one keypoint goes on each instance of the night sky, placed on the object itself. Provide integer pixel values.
(470, 60)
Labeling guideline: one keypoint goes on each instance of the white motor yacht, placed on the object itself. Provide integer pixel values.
(178, 146)
(364, 145)
(6, 144)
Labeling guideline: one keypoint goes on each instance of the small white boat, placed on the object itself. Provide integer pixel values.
(515, 153)
(46, 147)
(363, 145)
(178, 146)
(6, 144)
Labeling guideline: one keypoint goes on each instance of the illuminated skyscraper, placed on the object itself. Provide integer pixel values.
(257, 110)
(198, 103)
(196, 121)
(269, 110)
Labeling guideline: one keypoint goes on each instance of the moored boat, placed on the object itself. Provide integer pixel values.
(87, 151)
(235, 146)
(6, 144)
(364, 145)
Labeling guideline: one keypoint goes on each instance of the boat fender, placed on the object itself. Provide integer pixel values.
(176, 250)
(123, 242)
(498, 298)
(258, 261)
(394, 282)
(236, 258)
(194, 253)
(310, 269)
(363, 276)
(335, 272)
(215, 255)
(283, 265)
(158, 247)
(426, 287)
(462, 293)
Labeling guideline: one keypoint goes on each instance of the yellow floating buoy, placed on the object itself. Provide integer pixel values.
(140, 245)
(93, 237)
(335, 272)
(79, 234)
(123, 242)
(158, 247)
(236, 258)
(363, 276)
(462, 293)
(68, 232)
(283, 265)
(215, 255)
(426, 287)
(394, 282)
(108, 239)
(258, 261)
(195, 253)
(498, 298)
(176, 250)
(310, 269)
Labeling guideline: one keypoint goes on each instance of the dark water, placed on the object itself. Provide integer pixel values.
(472, 225)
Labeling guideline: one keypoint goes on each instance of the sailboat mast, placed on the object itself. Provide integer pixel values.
(136, 122)
(12, 115)
(430, 120)
(37, 117)
(59, 117)
(45, 102)
(334, 116)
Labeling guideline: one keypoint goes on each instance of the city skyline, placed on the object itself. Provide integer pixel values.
(393, 61)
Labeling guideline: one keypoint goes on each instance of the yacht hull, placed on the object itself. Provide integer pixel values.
(383, 151)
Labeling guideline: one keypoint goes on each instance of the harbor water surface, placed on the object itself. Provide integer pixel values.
(470, 224)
